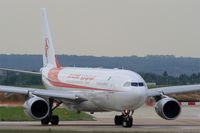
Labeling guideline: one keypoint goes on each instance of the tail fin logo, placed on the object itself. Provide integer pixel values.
(46, 47)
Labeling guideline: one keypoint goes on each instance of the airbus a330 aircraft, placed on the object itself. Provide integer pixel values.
(92, 90)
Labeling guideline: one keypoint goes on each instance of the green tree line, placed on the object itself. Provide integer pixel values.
(167, 80)
(20, 79)
(164, 79)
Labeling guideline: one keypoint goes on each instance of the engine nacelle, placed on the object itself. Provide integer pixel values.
(168, 108)
(36, 108)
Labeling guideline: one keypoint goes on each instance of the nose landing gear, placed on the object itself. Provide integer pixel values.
(126, 119)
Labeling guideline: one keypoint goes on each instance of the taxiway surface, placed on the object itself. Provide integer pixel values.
(145, 119)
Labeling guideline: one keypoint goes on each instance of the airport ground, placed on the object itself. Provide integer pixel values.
(145, 120)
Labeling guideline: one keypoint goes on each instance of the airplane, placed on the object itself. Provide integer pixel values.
(92, 90)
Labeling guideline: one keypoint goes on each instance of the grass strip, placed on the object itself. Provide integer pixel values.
(17, 114)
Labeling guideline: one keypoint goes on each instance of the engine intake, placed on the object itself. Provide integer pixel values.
(36, 107)
(168, 108)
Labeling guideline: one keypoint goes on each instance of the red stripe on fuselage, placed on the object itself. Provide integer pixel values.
(53, 79)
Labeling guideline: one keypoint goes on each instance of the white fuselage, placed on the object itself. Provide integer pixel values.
(105, 89)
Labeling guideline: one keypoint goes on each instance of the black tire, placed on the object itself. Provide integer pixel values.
(54, 120)
(45, 121)
(127, 122)
(130, 122)
(118, 120)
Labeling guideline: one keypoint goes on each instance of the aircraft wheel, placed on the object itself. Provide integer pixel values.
(118, 119)
(127, 122)
(45, 121)
(54, 120)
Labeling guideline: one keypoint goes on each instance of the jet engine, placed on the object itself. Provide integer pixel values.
(168, 108)
(36, 107)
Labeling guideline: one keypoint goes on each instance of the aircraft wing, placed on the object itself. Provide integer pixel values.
(173, 90)
(57, 94)
(20, 71)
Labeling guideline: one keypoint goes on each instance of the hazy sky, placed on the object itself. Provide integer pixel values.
(103, 27)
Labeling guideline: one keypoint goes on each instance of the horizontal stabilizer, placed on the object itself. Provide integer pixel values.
(19, 71)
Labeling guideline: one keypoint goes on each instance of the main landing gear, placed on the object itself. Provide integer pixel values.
(126, 119)
(53, 119)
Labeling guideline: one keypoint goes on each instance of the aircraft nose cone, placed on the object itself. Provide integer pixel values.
(140, 96)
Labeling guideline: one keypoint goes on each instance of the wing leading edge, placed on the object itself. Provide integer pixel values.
(173, 90)
(57, 94)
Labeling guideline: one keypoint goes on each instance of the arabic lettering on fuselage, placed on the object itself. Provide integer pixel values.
(81, 77)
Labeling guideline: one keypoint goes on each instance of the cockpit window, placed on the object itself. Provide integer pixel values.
(127, 84)
(141, 84)
(135, 84)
